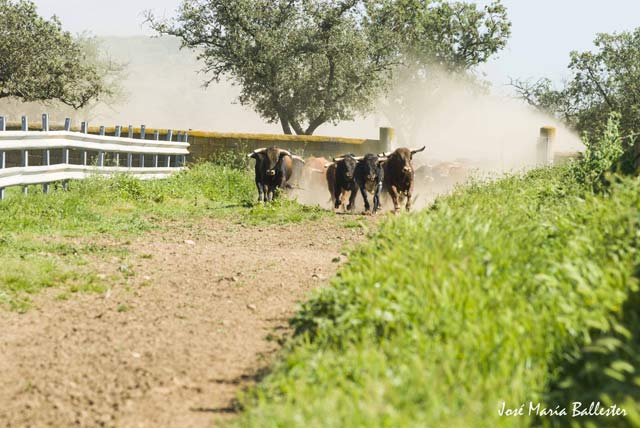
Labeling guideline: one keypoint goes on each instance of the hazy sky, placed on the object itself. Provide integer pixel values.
(544, 31)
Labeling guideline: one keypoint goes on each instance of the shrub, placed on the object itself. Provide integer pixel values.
(599, 157)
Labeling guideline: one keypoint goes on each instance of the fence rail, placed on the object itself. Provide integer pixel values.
(42, 157)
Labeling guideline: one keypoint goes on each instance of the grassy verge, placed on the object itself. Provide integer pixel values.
(496, 294)
(47, 238)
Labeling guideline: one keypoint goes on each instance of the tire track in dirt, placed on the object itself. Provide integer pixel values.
(174, 346)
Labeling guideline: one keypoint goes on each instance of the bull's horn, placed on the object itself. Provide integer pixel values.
(327, 165)
(358, 158)
(256, 151)
(384, 154)
(337, 159)
(413, 152)
(296, 157)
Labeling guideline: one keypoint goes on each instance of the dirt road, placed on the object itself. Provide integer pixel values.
(172, 345)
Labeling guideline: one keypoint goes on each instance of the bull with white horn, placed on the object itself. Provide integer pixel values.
(273, 169)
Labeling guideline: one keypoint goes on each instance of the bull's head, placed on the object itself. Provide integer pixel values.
(402, 158)
(368, 166)
(345, 166)
(270, 158)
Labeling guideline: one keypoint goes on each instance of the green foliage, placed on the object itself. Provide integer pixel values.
(43, 234)
(307, 62)
(599, 157)
(604, 369)
(41, 62)
(446, 313)
(603, 81)
(235, 158)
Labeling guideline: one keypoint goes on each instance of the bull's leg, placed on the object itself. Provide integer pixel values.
(267, 192)
(376, 198)
(337, 197)
(260, 191)
(352, 197)
(363, 191)
(393, 191)
(409, 193)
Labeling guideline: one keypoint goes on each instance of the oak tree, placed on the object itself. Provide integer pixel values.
(39, 61)
(307, 62)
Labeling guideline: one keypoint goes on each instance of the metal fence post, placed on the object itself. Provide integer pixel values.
(1, 167)
(25, 152)
(156, 137)
(3, 127)
(143, 134)
(170, 138)
(65, 152)
(84, 128)
(130, 155)
(46, 158)
(185, 139)
(101, 153)
(118, 133)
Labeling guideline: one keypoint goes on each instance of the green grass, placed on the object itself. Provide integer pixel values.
(49, 239)
(497, 293)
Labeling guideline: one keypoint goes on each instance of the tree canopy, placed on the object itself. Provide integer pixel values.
(601, 82)
(41, 62)
(307, 62)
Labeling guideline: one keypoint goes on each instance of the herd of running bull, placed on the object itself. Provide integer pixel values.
(371, 174)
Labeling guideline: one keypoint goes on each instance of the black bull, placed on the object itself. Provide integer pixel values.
(349, 173)
(273, 170)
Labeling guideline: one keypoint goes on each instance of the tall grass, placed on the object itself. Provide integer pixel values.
(449, 312)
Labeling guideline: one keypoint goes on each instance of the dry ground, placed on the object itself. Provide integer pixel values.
(173, 344)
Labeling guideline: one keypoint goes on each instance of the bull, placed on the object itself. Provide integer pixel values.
(341, 179)
(273, 169)
(399, 175)
(313, 173)
(369, 175)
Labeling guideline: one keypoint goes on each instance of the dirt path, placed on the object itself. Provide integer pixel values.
(172, 347)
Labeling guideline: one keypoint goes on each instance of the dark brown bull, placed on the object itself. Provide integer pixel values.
(273, 169)
(398, 175)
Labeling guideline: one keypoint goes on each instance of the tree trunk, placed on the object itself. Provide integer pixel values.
(314, 125)
(285, 123)
(296, 126)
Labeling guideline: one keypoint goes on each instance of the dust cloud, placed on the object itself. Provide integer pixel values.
(468, 131)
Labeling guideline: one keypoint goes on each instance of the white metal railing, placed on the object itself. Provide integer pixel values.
(156, 152)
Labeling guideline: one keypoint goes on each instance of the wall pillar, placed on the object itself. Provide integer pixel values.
(387, 139)
(545, 148)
